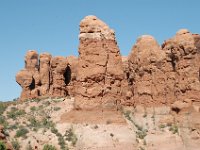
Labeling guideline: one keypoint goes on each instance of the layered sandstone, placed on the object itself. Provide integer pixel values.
(99, 71)
(151, 75)
(146, 74)
(164, 75)
(43, 75)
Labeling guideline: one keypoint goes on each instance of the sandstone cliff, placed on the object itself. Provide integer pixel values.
(151, 75)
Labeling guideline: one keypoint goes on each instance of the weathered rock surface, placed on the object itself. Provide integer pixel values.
(99, 72)
(165, 75)
(43, 75)
(151, 75)
(146, 74)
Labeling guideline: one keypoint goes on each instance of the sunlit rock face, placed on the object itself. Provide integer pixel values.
(100, 72)
(100, 77)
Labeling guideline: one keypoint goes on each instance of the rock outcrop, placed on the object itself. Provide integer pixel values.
(43, 75)
(164, 75)
(146, 74)
(151, 75)
(99, 72)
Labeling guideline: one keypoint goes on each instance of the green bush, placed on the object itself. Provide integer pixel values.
(49, 147)
(61, 142)
(15, 144)
(54, 130)
(2, 145)
(14, 113)
(47, 123)
(21, 132)
(33, 108)
(71, 136)
(174, 129)
(34, 123)
(3, 107)
(3, 122)
(141, 134)
(56, 108)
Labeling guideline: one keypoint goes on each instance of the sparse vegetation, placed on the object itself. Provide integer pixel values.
(2, 145)
(56, 108)
(61, 142)
(49, 147)
(3, 122)
(21, 132)
(141, 134)
(14, 113)
(96, 127)
(111, 134)
(3, 107)
(71, 136)
(162, 126)
(33, 108)
(15, 144)
(173, 129)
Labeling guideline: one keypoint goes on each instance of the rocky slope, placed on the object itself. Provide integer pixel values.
(35, 123)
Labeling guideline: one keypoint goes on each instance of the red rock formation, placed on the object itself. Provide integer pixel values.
(183, 53)
(146, 75)
(58, 76)
(100, 77)
(43, 76)
(99, 72)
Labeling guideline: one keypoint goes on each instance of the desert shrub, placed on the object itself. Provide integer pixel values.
(174, 129)
(15, 144)
(127, 114)
(14, 113)
(61, 142)
(141, 134)
(71, 136)
(13, 127)
(33, 122)
(2, 145)
(49, 147)
(47, 123)
(22, 132)
(47, 103)
(54, 130)
(162, 126)
(56, 108)
(3, 107)
(3, 122)
(33, 108)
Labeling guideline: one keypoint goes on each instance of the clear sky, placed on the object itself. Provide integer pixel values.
(53, 26)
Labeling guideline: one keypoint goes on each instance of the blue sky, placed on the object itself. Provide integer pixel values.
(53, 26)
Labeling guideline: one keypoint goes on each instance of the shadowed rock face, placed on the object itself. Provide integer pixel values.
(100, 77)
